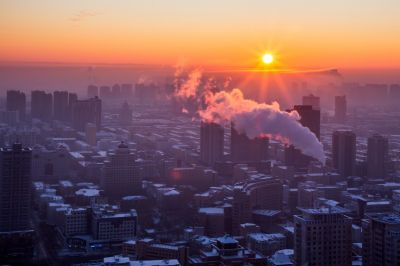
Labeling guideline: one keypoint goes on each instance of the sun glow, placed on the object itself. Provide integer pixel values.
(268, 59)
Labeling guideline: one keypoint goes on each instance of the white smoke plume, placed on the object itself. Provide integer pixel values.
(227, 82)
(260, 120)
(249, 117)
(187, 84)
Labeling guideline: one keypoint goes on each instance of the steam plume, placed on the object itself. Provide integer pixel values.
(187, 86)
(248, 117)
(260, 119)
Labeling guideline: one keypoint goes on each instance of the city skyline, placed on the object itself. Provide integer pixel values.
(200, 133)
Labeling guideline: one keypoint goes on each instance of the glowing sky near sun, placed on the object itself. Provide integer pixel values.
(313, 33)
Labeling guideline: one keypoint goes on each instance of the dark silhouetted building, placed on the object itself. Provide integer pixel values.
(310, 118)
(60, 105)
(295, 157)
(344, 152)
(244, 149)
(377, 156)
(126, 90)
(211, 143)
(381, 239)
(394, 94)
(145, 93)
(15, 185)
(312, 100)
(226, 251)
(125, 114)
(16, 234)
(104, 92)
(92, 91)
(72, 98)
(121, 176)
(340, 109)
(16, 101)
(322, 237)
(116, 91)
(41, 105)
(86, 111)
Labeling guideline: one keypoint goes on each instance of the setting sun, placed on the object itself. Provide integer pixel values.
(268, 58)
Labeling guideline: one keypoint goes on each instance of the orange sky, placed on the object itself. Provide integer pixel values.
(311, 34)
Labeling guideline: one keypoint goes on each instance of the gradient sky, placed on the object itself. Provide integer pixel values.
(313, 33)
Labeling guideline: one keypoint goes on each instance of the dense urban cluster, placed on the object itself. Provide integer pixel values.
(121, 176)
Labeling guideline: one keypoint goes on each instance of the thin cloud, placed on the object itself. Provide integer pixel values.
(83, 15)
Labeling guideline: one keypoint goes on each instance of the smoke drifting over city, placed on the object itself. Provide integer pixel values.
(260, 119)
(200, 133)
(247, 116)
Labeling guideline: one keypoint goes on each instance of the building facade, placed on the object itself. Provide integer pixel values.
(322, 237)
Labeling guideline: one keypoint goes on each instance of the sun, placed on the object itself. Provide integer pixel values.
(268, 59)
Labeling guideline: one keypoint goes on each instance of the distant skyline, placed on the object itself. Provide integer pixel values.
(302, 34)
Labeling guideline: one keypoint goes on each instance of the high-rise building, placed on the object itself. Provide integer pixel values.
(92, 91)
(116, 91)
(41, 105)
(125, 114)
(211, 143)
(241, 209)
(394, 94)
(344, 152)
(72, 98)
(377, 156)
(104, 92)
(15, 187)
(16, 235)
(9, 117)
(86, 111)
(126, 90)
(340, 109)
(90, 134)
(244, 149)
(381, 239)
(16, 101)
(312, 100)
(309, 117)
(322, 237)
(60, 105)
(121, 176)
(294, 157)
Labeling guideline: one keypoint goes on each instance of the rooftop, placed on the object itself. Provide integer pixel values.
(88, 192)
(331, 210)
(388, 218)
(261, 237)
(173, 262)
(227, 240)
(211, 210)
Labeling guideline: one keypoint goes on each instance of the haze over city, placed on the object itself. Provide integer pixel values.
(199, 133)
